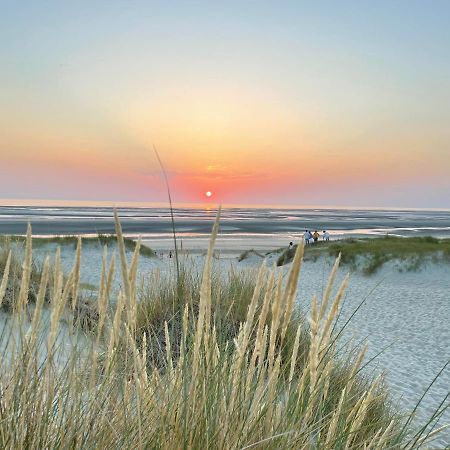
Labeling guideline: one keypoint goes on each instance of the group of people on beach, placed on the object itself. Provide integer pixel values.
(312, 238)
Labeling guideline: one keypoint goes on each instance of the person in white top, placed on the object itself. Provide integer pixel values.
(326, 235)
(306, 237)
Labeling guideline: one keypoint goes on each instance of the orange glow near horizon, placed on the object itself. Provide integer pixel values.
(242, 144)
(300, 105)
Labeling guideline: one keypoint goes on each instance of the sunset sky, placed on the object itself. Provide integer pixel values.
(299, 103)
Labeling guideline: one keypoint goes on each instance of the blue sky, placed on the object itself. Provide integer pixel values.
(356, 92)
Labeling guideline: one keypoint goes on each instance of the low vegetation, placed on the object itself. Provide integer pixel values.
(11, 265)
(100, 239)
(369, 255)
(191, 362)
(248, 253)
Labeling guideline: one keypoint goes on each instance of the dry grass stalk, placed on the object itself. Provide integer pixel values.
(26, 273)
(5, 278)
(76, 274)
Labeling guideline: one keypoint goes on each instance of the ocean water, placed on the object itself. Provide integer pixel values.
(240, 228)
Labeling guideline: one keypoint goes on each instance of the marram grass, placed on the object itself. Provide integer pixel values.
(237, 367)
(368, 255)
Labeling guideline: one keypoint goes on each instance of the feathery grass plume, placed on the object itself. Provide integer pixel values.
(26, 273)
(115, 330)
(129, 287)
(123, 261)
(262, 318)
(203, 321)
(272, 384)
(313, 359)
(429, 437)
(110, 279)
(259, 344)
(168, 348)
(104, 292)
(360, 412)
(243, 338)
(76, 274)
(291, 288)
(57, 308)
(132, 277)
(40, 300)
(5, 278)
(356, 366)
(275, 319)
(294, 355)
(140, 370)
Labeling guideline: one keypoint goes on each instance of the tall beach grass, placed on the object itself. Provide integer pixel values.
(193, 361)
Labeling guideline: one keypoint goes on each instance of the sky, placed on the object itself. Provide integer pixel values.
(281, 103)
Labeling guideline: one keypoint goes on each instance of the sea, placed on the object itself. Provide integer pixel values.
(240, 228)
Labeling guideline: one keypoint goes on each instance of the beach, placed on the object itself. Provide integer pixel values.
(404, 318)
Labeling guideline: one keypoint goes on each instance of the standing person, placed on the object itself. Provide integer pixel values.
(306, 237)
(316, 236)
(291, 245)
(170, 254)
(326, 236)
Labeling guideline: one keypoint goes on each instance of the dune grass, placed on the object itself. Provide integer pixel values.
(369, 255)
(248, 253)
(11, 265)
(383, 249)
(235, 367)
(66, 240)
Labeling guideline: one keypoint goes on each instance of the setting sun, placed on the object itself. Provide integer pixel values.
(208, 194)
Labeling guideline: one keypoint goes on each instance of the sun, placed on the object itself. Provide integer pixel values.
(208, 194)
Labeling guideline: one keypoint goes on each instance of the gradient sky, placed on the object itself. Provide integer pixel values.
(300, 103)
